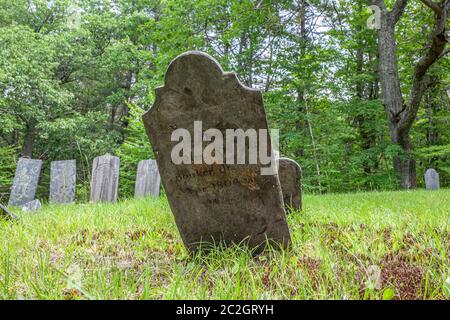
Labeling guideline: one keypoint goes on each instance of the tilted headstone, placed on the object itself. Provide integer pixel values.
(227, 203)
(432, 179)
(105, 179)
(32, 206)
(290, 174)
(25, 181)
(63, 175)
(147, 179)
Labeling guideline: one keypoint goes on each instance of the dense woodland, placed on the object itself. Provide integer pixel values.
(360, 108)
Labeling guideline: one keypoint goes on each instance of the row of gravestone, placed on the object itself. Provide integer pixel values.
(104, 183)
(105, 178)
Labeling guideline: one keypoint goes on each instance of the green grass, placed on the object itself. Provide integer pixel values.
(132, 250)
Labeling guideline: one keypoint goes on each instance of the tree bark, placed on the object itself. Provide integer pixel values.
(29, 139)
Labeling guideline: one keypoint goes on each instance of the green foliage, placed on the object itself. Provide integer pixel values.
(30, 92)
(7, 167)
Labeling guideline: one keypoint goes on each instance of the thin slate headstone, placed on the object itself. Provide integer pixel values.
(212, 203)
(432, 179)
(32, 206)
(105, 179)
(290, 174)
(148, 180)
(25, 181)
(63, 175)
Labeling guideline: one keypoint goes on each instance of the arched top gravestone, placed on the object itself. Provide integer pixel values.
(105, 178)
(215, 202)
(432, 179)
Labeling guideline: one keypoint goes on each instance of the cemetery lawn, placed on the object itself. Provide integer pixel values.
(132, 250)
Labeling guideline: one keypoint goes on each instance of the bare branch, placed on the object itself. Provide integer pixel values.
(446, 52)
(432, 5)
(398, 9)
(7, 212)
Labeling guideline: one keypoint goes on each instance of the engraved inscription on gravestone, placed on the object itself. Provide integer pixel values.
(25, 181)
(218, 202)
(147, 179)
(62, 181)
(105, 179)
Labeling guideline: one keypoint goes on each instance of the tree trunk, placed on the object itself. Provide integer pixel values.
(404, 164)
(29, 139)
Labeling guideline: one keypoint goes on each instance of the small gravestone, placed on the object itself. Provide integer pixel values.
(25, 181)
(290, 173)
(105, 179)
(214, 201)
(147, 179)
(63, 181)
(432, 179)
(32, 206)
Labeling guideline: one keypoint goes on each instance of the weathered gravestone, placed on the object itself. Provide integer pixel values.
(432, 179)
(147, 179)
(290, 173)
(25, 181)
(33, 206)
(228, 203)
(105, 179)
(63, 175)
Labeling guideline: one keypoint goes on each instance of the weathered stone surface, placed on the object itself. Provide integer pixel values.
(63, 175)
(148, 180)
(432, 179)
(229, 203)
(32, 206)
(290, 174)
(25, 181)
(105, 179)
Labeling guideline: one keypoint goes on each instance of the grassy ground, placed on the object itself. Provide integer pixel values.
(354, 246)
